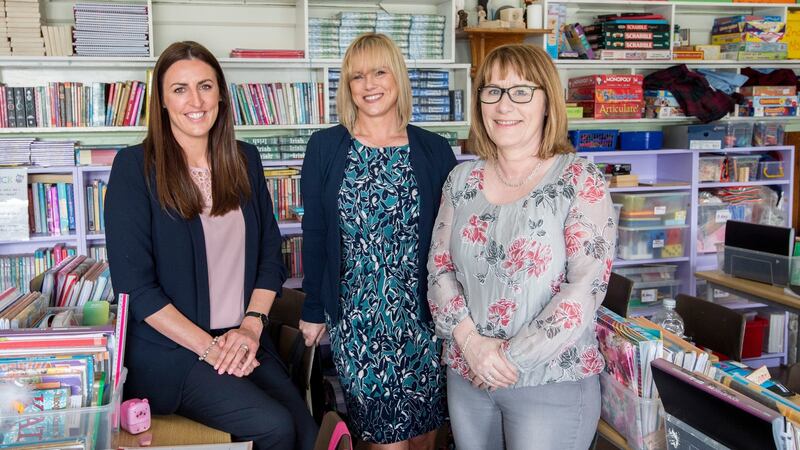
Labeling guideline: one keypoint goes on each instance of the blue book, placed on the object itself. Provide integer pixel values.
(71, 207)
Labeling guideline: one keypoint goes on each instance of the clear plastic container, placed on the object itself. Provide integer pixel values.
(767, 134)
(743, 168)
(639, 420)
(667, 208)
(770, 170)
(651, 283)
(651, 242)
(668, 318)
(711, 169)
(739, 134)
(758, 266)
(683, 436)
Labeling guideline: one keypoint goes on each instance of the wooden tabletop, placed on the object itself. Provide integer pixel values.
(611, 435)
(774, 294)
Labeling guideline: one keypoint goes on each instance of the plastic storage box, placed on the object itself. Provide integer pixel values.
(712, 169)
(767, 134)
(711, 220)
(754, 337)
(758, 266)
(641, 140)
(743, 168)
(92, 427)
(769, 170)
(739, 134)
(652, 209)
(651, 283)
(651, 242)
(639, 420)
(593, 140)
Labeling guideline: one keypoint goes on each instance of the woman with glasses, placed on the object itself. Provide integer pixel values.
(371, 188)
(520, 259)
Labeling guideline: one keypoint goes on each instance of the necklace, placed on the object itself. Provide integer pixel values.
(503, 179)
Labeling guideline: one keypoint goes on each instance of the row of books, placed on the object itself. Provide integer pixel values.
(51, 204)
(283, 184)
(292, 259)
(17, 270)
(95, 196)
(72, 104)
(277, 103)
(77, 280)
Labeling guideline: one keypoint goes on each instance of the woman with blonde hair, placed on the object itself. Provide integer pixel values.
(519, 263)
(371, 188)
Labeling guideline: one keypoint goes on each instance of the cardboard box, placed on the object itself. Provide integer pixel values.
(605, 94)
(764, 100)
(687, 55)
(754, 91)
(710, 52)
(767, 111)
(663, 112)
(635, 55)
(621, 110)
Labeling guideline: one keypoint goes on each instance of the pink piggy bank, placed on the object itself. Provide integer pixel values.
(135, 415)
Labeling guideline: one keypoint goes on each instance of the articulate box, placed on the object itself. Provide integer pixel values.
(621, 110)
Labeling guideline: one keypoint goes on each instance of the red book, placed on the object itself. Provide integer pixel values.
(131, 103)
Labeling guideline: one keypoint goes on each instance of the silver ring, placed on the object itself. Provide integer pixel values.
(489, 378)
(245, 347)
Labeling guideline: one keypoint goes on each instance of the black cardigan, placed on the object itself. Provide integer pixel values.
(432, 160)
(159, 258)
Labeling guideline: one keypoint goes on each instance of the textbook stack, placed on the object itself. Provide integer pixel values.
(16, 151)
(71, 104)
(277, 103)
(57, 40)
(5, 46)
(24, 25)
(281, 147)
(17, 270)
(323, 37)
(51, 205)
(111, 29)
(334, 77)
(426, 38)
(353, 25)
(52, 153)
(430, 95)
(283, 184)
(397, 27)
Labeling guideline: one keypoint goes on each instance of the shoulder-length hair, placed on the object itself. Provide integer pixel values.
(165, 160)
(380, 51)
(532, 64)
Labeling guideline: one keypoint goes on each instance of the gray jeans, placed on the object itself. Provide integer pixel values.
(558, 416)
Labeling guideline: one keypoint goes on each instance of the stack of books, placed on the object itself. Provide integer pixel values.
(426, 38)
(52, 153)
(5, 46)
(353, 24)
(111, 29)
(397, 27)
(323, 37)
(24, 25)
(57, 40)
(266, 53)
(16, 151)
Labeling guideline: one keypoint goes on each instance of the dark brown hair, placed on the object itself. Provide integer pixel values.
(532, 64)
(164, 158)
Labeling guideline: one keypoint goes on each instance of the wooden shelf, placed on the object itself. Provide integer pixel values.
(484, 40)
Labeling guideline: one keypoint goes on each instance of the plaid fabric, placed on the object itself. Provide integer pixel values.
(692, 91)
(778, 77)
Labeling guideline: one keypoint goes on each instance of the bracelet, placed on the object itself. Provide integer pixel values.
(466, 342)
(208, 349)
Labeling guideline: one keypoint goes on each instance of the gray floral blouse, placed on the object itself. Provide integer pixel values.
(532, 272)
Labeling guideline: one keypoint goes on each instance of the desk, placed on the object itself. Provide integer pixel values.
(757, 292)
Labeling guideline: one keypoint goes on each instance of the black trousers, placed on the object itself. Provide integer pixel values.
(264, 407)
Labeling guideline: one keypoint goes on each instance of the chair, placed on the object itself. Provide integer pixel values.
(618, 294)
(712, 326)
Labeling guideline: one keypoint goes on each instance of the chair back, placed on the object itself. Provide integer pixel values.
(618, 294)
(333, 434)
(712, 325)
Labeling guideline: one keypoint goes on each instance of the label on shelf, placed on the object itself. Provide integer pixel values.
(680, 216)
(660, 210)
(649, 295)
(658, 243)
(723, 215)
(718, 293)
(695, 144)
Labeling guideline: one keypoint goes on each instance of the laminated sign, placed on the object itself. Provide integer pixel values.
(14, 204)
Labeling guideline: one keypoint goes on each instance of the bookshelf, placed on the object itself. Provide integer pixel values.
(237, 24)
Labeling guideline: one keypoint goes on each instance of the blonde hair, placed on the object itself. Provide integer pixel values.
(380, 50)
(533, 64)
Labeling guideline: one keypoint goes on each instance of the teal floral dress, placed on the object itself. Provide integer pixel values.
(387, 356)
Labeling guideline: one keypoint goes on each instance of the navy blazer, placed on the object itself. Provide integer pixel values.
(158, 258)
(432, 159)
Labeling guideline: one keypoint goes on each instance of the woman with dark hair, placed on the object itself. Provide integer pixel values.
(192, 239)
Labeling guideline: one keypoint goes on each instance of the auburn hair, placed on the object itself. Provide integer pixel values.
(164, 159)
(532, 64)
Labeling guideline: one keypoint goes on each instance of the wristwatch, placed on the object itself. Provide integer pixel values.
(261, 316)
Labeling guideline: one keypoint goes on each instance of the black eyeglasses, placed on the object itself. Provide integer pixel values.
(517, 94)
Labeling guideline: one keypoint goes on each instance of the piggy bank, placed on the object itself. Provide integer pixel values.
(135, 415)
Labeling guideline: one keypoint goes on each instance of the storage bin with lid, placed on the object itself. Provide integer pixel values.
(711, 220)
(739, 134)
(651, 284)
(712, 169)
(743, 168)
(767, 134)
(770, 170)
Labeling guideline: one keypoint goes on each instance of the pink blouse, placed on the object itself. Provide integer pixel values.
(224, 237)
